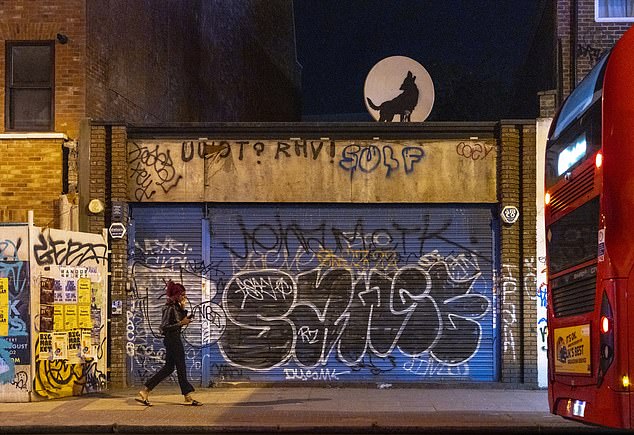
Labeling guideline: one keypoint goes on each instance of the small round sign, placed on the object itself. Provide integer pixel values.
(510, 214)
(117, 230)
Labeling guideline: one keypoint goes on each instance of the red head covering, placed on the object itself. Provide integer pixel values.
(174, 291)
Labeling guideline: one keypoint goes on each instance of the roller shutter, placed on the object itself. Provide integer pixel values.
(354, 293)
(166, 242)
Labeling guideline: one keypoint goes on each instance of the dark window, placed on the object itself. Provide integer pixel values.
(573, 239)
(29, 81)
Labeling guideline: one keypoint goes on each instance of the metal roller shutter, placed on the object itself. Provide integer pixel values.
(167, 242)
(347, 293)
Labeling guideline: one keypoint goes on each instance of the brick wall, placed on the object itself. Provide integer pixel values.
(586, 41)
(516, 282)
(212, 61)
(42, 20)
(30, 179)
(119, 257)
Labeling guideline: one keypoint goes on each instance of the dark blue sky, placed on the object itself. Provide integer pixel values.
(473, 49)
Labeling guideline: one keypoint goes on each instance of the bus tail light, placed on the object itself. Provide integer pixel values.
(547, 198)
(598, 160)
(606, 338)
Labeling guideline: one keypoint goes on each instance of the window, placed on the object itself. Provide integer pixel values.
(29, 81)
(614, 10)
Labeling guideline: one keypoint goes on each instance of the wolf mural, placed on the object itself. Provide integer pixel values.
(402, 105)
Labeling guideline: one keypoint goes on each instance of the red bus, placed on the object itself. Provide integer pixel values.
(589, 222)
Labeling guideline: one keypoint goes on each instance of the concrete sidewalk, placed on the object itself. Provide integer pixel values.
(295, 410)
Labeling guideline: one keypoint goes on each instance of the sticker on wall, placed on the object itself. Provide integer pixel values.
(397, 89)
(510, 214)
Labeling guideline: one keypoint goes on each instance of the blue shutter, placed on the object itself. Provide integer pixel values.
(354, 293)
(166, 242)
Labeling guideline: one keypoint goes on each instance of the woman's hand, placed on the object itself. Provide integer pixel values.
(186, 321)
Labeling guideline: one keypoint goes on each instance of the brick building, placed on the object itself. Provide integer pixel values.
(128, 91)
(73, 60)
(584, 30)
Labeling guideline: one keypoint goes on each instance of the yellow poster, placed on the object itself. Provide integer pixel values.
(4, 321)
(4, 292)
(572, 349)
(83, 291)
(70, 317)
(83, 317)
(4, 307)
(58, 317)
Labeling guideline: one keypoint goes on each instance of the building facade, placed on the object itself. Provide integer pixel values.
(584, 30)
(324, 253)
(72, 60)
(67, 62)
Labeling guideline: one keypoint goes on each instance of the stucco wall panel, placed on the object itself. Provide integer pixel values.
(312, 171)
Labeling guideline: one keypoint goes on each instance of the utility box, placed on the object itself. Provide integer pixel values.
(53, 312)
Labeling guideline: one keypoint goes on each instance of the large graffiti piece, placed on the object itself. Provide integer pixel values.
(15, 323)
(274, 318)
(328, 299)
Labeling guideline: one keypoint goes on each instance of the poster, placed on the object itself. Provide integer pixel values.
(84, 320)
(74, 346)
(58, 293)
(95, 315)
(47, 291)
(4, 307)
(572, 346)
(47, 316)
(60, 345)
(70, 291)
(58, 317)
(86, 345)
(45, 345)
(70, 317)
(83, 291)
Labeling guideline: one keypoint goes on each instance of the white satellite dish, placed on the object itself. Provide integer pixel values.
(397, 89)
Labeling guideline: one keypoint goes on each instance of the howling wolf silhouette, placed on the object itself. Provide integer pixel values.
(403, 104)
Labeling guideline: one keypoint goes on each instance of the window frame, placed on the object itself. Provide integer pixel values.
(9, 86)
(599, 19)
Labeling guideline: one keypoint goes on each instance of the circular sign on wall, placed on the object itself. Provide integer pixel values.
(399, 89)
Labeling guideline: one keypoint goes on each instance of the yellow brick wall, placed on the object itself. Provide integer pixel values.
(30, 179)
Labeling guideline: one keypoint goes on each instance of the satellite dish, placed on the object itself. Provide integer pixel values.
(397, 89)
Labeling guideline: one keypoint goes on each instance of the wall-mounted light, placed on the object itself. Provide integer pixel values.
(61, 38)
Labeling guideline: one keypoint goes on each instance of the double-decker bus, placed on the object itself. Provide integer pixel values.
(589, 222)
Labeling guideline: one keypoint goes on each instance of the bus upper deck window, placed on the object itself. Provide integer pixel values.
(571, 154)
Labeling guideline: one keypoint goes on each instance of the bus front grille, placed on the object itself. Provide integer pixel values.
(574, 297)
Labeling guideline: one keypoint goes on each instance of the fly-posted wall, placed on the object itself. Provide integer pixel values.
(53, 299)
(332, 260)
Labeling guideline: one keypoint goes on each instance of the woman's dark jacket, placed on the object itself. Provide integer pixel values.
(170, 321)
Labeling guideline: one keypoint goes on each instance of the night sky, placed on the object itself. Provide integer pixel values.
(476, 52)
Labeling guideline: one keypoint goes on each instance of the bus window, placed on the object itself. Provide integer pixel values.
(572, 240)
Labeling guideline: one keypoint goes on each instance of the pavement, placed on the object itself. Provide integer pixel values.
(295, 410)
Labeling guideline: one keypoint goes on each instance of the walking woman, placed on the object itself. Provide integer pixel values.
(173, 319)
